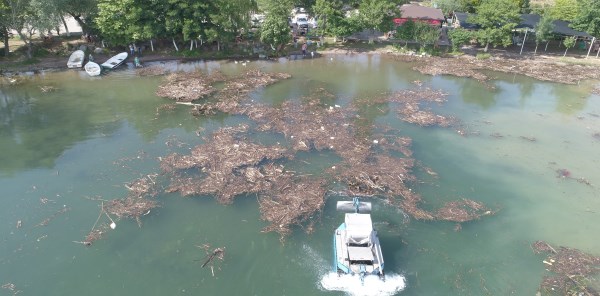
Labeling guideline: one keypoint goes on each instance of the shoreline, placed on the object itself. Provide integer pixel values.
(541, 67)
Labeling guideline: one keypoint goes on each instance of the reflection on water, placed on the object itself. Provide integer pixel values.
(84, 140)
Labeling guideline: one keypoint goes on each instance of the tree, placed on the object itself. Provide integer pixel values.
(275, 29)
(543, 30)
(377, 15)
(123, 21)
(27, 17)
(470, 5)
(406, 31)
(460, 37)
(497, 19)
(565, 10)
(4, 24)
(188, 18)
(588, 18)
(332, 20)
(229, 17)
(426, 34)
(83, 11)
(450, 6)
(568, 43)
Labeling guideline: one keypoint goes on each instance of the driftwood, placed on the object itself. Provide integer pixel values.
(571, 270)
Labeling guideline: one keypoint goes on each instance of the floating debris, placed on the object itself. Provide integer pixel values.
(46, 221)
(462, 211)
(152, 71)
(211, 255)
(468, 66)
(47, 88)
(572, 269)
(186, 87)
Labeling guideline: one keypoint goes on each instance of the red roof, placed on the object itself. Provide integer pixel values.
(414, 11)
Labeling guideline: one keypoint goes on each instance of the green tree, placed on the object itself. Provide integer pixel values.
(28, 17)
(377, 15)
(83, 11)
(459, 37)
(470, 5)
(4, 24)
(406, 31)
(188, 18)
(329, 15)
(426, 34)
(543, 30)
(565, 10)
(229, 17)
(497, 19)
(568, 43)
(450, 6)
(275, 29)
(588, 18)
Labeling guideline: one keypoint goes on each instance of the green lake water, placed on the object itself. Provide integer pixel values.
(61, 150)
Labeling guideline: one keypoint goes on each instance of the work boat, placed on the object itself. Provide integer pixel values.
(356, 247)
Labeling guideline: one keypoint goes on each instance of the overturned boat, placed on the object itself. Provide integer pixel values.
(356, 247)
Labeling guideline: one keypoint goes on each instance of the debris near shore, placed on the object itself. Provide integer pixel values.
(152, 71)
(571, 270)
(187, 87)
(538, 68)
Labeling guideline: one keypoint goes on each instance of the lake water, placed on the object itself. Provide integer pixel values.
(61, 150)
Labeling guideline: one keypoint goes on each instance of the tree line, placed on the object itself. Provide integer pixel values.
(498, 18)
(120, 22)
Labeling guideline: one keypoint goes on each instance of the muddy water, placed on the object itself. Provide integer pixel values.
(61, 151)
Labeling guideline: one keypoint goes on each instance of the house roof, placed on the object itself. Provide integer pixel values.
(414, 11)
(462, 19)
(528, 21)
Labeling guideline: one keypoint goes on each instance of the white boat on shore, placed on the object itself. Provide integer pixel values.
(356, 246)
(115, 61)
(76, 59)
(93, 69)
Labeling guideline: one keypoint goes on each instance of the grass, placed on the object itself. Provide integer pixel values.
(483, 56)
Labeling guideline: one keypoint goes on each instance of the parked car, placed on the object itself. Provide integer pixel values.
(302, 22)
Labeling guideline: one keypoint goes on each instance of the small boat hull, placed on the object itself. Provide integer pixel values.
(93, 69)
(115, 61)
(76, 59)
(356, 246)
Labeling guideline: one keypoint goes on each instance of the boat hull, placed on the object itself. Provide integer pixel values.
(355, 258)
(115, 61)
(76, 59)
(93, 69)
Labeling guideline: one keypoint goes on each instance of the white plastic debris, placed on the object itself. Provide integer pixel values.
(332, 138)
(113, 225)
(375, 141)
(338, 106)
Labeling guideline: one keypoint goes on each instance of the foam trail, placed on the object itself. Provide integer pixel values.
(373, 285)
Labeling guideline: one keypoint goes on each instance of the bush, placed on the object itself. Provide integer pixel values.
(459, 37)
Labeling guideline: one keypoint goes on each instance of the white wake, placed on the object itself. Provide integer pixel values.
(373, 285)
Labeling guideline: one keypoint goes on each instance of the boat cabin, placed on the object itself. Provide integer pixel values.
(359, 231)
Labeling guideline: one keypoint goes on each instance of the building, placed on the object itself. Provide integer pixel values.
(418, 13)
